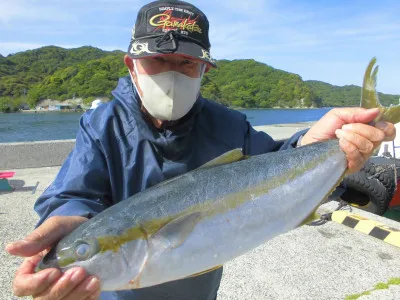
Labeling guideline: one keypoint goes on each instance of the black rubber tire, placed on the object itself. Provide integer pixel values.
(384, 170)
(366, 192)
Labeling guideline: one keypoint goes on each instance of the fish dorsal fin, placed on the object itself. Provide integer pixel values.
(205, 271)
(224, 159)
(175, 232)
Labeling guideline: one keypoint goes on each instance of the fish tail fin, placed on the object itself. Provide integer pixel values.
(370, 99)
(369, 96)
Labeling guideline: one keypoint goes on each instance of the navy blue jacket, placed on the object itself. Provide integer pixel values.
(118, 153)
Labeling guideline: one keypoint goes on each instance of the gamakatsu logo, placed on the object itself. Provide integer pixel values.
(166, 21)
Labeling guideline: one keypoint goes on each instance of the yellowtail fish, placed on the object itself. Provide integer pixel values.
(200, 220)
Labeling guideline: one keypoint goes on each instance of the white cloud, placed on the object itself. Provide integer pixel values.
(60, 11)
(24, 10)
(13, 47)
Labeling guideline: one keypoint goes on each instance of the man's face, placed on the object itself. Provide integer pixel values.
(158, 64)
(160, 91)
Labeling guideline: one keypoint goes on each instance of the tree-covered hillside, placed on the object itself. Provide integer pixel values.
(96, 78)
(348, 95)
(47, 72)
(248, 83)
(86, 72)
(24, 69)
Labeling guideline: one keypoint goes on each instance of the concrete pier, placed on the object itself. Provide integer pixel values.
(330, 261)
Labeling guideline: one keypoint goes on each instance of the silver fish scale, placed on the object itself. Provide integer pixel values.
(199, 186)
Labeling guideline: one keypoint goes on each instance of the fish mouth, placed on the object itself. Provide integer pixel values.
(50, 260)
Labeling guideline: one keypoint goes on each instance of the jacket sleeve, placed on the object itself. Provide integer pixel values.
(81, 187)
(258, 142)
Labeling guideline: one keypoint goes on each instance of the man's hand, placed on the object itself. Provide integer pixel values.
(357, 139)
(48, 284)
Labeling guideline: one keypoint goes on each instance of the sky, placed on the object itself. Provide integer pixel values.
(330, 41)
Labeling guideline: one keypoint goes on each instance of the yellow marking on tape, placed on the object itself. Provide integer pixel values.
(365, 226)
(370, 227)
(393, 238)
(339, 216)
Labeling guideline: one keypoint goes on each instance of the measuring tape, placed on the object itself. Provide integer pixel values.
(370, 227)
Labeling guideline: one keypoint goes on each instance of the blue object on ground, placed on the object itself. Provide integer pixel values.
(5, 186)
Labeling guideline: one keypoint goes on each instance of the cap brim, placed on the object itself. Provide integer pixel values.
(148, 47)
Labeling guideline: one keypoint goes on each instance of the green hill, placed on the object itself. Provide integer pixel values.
(86, 72)
(47, 72)
(348, 95)
(248, 83)
(7, 67)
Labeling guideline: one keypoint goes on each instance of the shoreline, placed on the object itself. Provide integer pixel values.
(234, 108)
(31, 111)
(53, 152)
(279, 131)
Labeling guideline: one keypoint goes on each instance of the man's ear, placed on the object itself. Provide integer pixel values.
(129, 63)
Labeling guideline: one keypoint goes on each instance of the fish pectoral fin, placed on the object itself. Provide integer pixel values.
(311, 218)
(226, 158)
(175, 232)
(205, 271)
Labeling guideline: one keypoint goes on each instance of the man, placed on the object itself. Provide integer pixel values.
(157, 127)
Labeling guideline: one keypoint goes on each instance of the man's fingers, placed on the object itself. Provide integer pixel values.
(44, 236)
(28, 265)
(30, 245)
(27, 285)
(65, 285)
(26, 282)
(325, 128)
(94, 296)
(388, 129)
(361, 143)
(89, 289)
(373, 134)
(354, 157)
(356, 115)
(383, 131)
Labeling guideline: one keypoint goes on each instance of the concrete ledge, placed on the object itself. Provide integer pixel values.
(34, 154)
(53, 153)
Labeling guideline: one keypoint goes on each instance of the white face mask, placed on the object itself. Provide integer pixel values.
(168, 96)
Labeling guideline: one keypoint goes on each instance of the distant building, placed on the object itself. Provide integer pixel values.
(24, 106)
(57, 107)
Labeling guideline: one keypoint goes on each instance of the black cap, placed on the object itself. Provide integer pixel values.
(171, 27)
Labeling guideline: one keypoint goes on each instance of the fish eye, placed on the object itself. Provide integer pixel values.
(82, 251)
